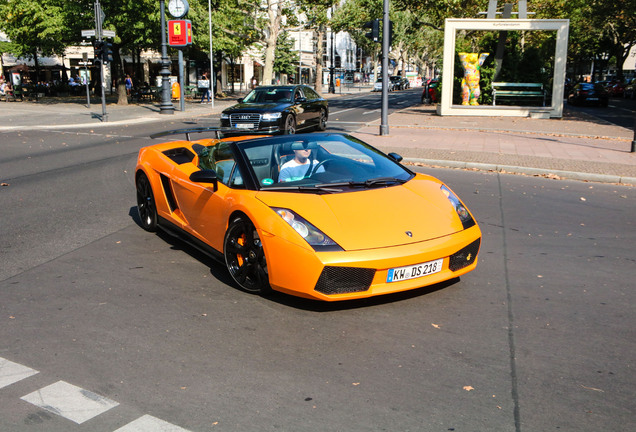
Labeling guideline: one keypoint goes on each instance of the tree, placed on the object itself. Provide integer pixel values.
(286, 60)
(316, 12)
(35, 28)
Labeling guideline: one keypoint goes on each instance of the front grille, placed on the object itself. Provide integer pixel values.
(465, 256)
(253, 120)
(341, 280)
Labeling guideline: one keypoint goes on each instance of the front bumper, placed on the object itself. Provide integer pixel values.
(271, 126)
(349, 275)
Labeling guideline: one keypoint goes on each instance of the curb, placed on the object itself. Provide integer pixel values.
(536, 172)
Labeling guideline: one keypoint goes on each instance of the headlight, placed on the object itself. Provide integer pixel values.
(462, 211)
(312, 235)
(225, 116)
(272, 116)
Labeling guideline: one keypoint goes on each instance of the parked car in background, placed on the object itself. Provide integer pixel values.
(616, 89)
(430, 92)
(588, 94)
(378, 85)
(283, 109)
(406, 84)
(397, 82)
(629, 92)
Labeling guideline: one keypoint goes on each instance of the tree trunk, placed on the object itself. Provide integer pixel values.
(319, 59)
(117, 71)
(274, 13)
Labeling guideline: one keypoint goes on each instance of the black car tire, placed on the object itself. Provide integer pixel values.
(290, 125)
(245, 258)
(322, 120)
(146, 205)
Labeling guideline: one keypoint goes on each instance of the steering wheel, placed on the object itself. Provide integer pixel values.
(314, 169)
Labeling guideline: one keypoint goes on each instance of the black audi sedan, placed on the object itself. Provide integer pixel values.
(284, 109)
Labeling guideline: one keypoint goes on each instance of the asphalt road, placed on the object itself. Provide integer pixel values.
(540, 337)
(620, 111)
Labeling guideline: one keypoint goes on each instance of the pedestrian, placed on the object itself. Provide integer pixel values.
(128, 82)
(206, 88)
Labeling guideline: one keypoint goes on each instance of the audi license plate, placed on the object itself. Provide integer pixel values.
(244, 126)
(414, 271)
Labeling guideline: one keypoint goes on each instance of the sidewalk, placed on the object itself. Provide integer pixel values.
(577, 146)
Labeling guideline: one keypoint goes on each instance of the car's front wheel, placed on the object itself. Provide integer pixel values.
(244, 256)
(290, 125)
(146, 205)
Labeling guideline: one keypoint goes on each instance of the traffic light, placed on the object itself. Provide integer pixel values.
(107, 52)
(98, 50)
(390, 33)
(374, 34)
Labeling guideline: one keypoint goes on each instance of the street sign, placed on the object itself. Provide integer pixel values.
(88, 33)
(108, 33)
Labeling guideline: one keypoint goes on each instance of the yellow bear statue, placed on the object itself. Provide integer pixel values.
(470, 83)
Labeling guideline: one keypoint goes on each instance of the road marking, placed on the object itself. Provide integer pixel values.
(70, 402)
(371, 112)
(338, 112)
(11, 372)
(149, 423)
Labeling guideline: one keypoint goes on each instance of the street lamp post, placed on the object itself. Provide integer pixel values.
(212, 76)
(332, 87)
(166, 106)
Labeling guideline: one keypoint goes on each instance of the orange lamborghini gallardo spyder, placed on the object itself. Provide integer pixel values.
(322, 216)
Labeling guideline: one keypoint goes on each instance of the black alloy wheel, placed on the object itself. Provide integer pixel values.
(290, 125)
(245, 258)
(146, 205)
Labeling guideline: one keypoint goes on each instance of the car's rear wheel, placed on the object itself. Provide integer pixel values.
(290, 125)
(322, 120)
(244, 256)
(146, 205)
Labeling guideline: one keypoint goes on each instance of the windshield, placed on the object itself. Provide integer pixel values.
(321, 163)
(269, 95)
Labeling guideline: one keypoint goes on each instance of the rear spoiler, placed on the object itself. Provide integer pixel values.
(221, 132)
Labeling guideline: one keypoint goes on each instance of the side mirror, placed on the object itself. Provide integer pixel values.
(240, 100)
(205, 176)
(396, 157)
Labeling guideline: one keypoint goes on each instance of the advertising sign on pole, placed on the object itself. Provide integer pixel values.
(179, 33)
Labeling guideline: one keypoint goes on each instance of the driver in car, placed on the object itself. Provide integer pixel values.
(299, 167)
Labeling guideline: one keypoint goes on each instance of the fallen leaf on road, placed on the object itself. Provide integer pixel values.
(469, 388)
(436, 325)
(592, 388)
(4, 184)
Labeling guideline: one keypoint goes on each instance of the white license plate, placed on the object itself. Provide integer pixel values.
(592, 99)
(414, 271)
(244, 126)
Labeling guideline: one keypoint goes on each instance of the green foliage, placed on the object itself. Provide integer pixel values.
(33, 25)
(286, 60)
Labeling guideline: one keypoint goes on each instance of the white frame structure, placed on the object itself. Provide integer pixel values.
(561, 26)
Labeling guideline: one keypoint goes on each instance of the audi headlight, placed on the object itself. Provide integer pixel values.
(312, 235)
(272, 116)
(224, 116)
(460, 209)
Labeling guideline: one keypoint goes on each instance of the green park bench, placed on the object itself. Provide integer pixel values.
(516, 91)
